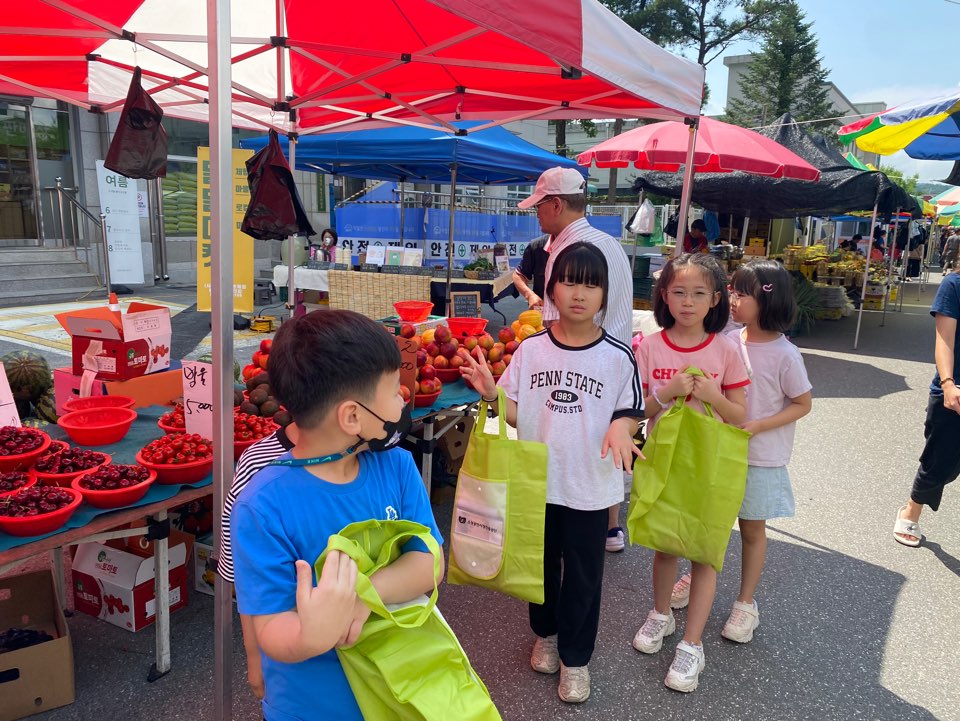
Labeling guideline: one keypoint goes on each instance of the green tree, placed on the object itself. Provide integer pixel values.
(787, 75)
(907, 182)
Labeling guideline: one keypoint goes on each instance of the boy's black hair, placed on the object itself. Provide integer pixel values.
(770, 284)
(717, 317)
(325, 357)
(581, 263)
(699, 225)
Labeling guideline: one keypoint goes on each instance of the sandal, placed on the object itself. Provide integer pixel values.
(904, 526)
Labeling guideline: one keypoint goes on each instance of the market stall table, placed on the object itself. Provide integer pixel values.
(90, 524)
(456, 401)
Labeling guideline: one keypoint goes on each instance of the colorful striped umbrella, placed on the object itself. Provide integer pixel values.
(927, 129)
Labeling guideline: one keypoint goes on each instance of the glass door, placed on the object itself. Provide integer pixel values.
(18, 219)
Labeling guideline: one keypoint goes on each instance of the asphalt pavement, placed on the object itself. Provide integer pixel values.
(853, 625)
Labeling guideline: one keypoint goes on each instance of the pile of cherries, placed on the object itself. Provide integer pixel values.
(178, 448)
(12, 480)
(174, 418)
(114, 476)
(17, 441)
(68, 460)
(247, 427)
(35, 501)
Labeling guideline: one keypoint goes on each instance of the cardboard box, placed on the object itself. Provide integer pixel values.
(121, 345)
(204, 567)
(66, 385)
(754, 250)
(454, 442)
(156, 389)
(37, 678)
(393, 323)
(117, 586)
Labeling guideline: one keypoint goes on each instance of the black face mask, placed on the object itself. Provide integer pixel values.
(394, 432)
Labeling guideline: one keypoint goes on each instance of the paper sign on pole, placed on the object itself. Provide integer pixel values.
(118, 201)
(142, 204)
(198, 398)
(242, 243)
(8, 407)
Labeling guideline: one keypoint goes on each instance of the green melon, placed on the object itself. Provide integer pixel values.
(46, 406)
(28, 373)
(207, 358)
(34, 423)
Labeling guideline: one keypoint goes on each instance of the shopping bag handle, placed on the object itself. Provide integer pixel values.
(679, 402)
(367, 566)
(501, 416)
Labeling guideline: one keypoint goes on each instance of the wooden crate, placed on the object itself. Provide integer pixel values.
(373, 294)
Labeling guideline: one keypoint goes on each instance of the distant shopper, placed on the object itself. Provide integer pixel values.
(696, 240)
(948, 257)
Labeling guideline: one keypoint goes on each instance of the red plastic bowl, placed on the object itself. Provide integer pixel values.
(38, 525)
(423, 400)
(64, 480)
(174, 473)
(462, 327)
(86, 404)
(240, 446)
(23, 461)
(448, 375)
(31, 481)
(53, 446)
(117, 497)
(172, 429)
(97, 427)
(413, 311)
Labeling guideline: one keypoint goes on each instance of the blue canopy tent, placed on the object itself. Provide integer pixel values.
(424, 155)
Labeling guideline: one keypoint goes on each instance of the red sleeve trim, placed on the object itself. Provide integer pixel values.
(741, 384)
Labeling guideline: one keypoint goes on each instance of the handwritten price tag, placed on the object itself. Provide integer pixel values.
(198, 398)
(8, 408)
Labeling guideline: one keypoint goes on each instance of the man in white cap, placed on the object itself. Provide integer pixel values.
(561, 204)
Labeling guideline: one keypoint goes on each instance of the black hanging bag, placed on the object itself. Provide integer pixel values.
(275, 211)
(139, 147)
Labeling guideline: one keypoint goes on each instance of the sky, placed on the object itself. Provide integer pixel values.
(877, 50)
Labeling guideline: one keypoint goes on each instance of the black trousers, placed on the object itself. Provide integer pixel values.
(573, 555)
(940, 460)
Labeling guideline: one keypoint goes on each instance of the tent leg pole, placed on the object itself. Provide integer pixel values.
(891, 246)
(292, 243)
(453, 216)
(687, 191)
(866, 275)
(633, 259)
(743, 233)
(221, 318)
(402, 184)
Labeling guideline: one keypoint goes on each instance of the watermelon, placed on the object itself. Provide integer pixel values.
(28, 373)
(46, 406)
(207, 358)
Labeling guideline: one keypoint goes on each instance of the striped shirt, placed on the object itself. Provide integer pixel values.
(618, 321)
(253, 459)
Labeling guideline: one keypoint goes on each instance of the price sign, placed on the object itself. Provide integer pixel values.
(198, 398)
(8, 408)
(408, 365)
(466, 304)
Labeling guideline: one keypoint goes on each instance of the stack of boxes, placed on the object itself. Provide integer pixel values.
(642, 283)
(755, 247)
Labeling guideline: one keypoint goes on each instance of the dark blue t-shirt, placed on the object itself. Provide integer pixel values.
(947, 303)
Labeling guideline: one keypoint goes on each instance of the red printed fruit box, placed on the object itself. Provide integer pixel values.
(117, 586)
(119, 346)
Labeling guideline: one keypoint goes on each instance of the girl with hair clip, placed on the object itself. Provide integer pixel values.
(692, 307)
(761, 298)
(575, 388)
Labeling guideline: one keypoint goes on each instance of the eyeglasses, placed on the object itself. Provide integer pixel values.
(549, 199)
(697, 296)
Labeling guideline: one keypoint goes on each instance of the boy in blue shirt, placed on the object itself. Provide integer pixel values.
(337, 373)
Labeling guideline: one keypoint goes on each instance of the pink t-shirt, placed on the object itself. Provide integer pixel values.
(777, 374)
(658, 360)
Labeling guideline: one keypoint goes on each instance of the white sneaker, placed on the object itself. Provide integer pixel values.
(680, 597)
(649, 638)
(574, 684)
(684, 673)
(743, 620)
(545, 657)
(615, 540)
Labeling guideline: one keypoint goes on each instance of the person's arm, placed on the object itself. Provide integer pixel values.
(943, 354)
(254, 669)
(619, 440)
(480, 378)
(322, 617)
(731, 404)
(520, 283)
(680, 385)
(798, 408)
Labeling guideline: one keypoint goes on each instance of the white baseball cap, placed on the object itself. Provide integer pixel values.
(555, 181)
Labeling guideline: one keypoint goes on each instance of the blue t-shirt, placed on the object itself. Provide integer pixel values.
(947, 303)
(286, 514)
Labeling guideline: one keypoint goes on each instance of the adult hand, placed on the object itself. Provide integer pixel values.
(534, 301)
(680, 386)
(326, 609)
(951, 397)
(479, 375)
(707, 390)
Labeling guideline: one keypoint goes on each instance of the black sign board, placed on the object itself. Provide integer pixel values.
(465, 305)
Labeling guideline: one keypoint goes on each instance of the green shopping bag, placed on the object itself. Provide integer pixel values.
(407, 664)
(687, 493)
(496, 537)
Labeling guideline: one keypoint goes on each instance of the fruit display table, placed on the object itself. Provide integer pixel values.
(455, 402)
(93, 524)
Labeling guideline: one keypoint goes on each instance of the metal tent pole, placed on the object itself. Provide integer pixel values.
(453, 215)
(161, 232)
(687, 191)
(221, 320)
(891, 246)
(402, 187)
(292, 242)
(866, 276)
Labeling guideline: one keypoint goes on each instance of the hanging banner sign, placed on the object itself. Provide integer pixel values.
(118, 201)
(242, 243)
(198, 398)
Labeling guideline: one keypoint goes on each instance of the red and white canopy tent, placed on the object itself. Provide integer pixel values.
(272, 64)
